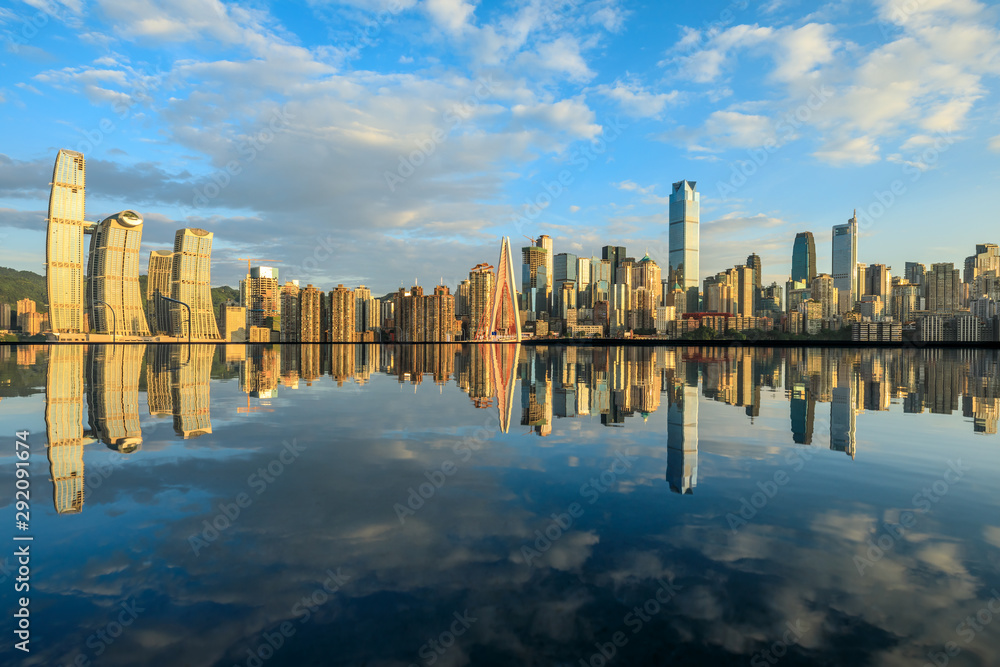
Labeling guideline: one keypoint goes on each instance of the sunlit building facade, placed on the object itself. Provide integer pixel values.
(191, 283)
(112, 284)
(683, 268)
(158, 277)
(64, 243)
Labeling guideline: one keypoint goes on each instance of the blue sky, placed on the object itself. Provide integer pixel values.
(382, 141)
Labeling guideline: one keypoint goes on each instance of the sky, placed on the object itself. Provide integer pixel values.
(383, 142)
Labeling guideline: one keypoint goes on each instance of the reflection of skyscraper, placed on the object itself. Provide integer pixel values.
(682, 432)
(64, 426)
(843, 416)
(190, 390)
(113, 276)
(802, 409)
(64, 243)
(113, 395)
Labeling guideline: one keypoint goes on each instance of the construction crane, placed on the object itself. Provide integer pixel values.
(533, 241)
(257, 259)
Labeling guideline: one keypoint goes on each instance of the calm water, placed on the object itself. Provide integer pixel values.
(395, 506)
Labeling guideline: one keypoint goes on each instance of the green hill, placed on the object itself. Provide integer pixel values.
(17, 285)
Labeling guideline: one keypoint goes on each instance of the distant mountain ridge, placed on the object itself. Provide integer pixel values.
(16, 285)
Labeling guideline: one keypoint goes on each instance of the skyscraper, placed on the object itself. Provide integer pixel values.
(545, 241)
(845, 258)
(753, 261)
(161, 266)
(191, 283)
(614, 255)
(64, 426)
(534, 281)
(481, 279)
(112, 283)
(685, 215)
(804, 258)
(64, 243)
(943, 287)
(290, 324)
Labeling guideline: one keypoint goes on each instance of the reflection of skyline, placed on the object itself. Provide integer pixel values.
(610, 384)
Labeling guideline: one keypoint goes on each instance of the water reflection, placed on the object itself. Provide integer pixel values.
(556, 383)
(674, 446)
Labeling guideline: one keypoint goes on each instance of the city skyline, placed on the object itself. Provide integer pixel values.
(770, 108)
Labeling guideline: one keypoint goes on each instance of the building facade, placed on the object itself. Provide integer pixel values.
(112, 284)
(804, 258)
(845, 258)
(64, 243)
(683, 267)
(191, 284)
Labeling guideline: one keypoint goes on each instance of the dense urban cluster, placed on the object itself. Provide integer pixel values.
(561, 294)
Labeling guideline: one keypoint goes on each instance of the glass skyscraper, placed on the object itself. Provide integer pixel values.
(683, 270)
(804, 258)
(845, 258)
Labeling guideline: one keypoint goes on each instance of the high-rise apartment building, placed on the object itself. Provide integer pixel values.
(342, 315)
(583, 282)
(366, 314)
(64, 243)
(685, 216)
(113, 395)
(64, 400)
(191, 283)
(158, 278)
(260, 294)
(112, 283)
(804, 258)
(905, 300)
(310, 325)
(878, 281)
(481, 280)
(439, 315)
(826, 294)
(291, 331)
(544, 241)
(943, 287)
(845, 258)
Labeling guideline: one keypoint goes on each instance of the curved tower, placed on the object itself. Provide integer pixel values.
(64, 243)
(191, 283)
(113, 298)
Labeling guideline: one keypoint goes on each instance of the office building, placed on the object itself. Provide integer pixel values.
(683, 268)
(845, 258)
(878, 281)
(191, 283)
(545, 242)
(613, 255)
(804, 258)
(535, 281)
(753, 261)
(64, 243)
(986, 260)
(112, 283)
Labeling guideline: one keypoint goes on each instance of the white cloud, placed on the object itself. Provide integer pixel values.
(635, 100)
(571, 116)
(563, 55)
(739, 130)
(854, 151)
(451, 15)
(994, 144)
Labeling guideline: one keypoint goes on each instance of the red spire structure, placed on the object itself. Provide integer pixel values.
(503, 300)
